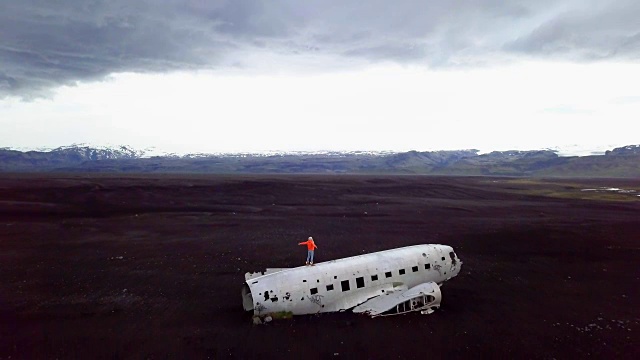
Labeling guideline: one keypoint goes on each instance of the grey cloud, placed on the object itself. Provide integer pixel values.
(44, 43)
(606, 31)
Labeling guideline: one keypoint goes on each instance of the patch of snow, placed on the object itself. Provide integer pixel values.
(618, 190)
(581, 150)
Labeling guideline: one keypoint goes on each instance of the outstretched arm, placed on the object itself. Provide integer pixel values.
(302, 243)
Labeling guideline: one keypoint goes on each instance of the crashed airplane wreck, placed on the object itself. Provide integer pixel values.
(384, 283)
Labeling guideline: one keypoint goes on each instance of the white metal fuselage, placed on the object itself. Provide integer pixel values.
(345, 283)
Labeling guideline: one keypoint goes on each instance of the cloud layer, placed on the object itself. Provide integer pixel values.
(45, 44)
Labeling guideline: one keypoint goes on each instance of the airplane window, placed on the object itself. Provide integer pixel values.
(329, 287)
(388, 274)
(427, 266)
(401, 271)
(345, 285)
(313, 291)
(415, 269)
(374, 277)
(360, 282)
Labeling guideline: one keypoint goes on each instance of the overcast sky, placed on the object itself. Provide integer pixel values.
(242, 76)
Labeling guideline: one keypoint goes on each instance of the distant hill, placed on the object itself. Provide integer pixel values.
(619, 162)
(62, 157)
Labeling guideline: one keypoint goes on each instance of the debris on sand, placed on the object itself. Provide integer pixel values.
(267, 318)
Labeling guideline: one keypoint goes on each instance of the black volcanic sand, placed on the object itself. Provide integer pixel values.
(151, 267)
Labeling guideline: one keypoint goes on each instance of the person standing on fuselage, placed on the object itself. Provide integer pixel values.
(311, 246)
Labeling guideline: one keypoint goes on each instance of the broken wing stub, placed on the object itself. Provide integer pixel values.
(424, 298)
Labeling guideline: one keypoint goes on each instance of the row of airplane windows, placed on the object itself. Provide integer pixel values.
(344, 284)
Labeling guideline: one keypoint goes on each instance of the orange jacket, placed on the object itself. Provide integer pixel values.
(310, 244)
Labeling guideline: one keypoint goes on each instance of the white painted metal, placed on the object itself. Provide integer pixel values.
(319, 288)
(249, 276)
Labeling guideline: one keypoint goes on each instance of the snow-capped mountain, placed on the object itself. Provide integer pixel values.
(625, 150)
(619, 162)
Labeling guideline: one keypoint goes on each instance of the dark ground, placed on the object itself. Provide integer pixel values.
(151, 267)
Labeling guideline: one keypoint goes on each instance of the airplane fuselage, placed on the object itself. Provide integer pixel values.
(344, 283)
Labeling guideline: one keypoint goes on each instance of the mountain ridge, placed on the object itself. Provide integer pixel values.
(618, 162)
